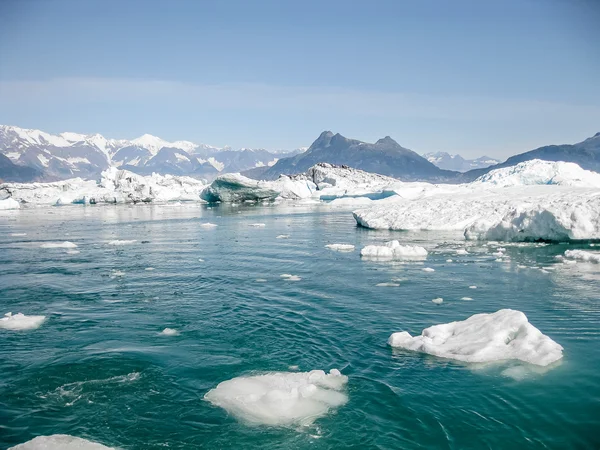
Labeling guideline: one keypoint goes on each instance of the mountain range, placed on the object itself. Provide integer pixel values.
(457, 163)
(30, 155)
(36, 155)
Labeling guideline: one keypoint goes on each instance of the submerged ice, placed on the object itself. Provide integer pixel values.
(503, 335)
(281, 398)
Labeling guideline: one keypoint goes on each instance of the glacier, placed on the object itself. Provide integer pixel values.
(281, 398)
(482, 338)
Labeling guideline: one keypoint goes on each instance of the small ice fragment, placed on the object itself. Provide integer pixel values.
(282, 236)
(117, 273)
(387, 284)
(200, 260)
(428, 269)
(20, 321)
(169, 332)
(122, 242)
(257, 225)
(72, 252)
(261, 280)
(60, 442)
(293, 367)
(438, 301)
(65, 244)
(472, 287)
(341, 247)
(394, 250)
(208, 225)
(466, 298)
(18, 234)
(149, 268)
(448, 260)
(462, 251)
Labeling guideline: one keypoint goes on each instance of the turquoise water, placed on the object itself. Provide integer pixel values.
(98, 368)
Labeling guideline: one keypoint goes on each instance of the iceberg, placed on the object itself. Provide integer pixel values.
(281, 398)
(500, 336)
(507, 204)
(20, 321)
(394, 250)
(9, 203)
(114, 186)
(60, 442)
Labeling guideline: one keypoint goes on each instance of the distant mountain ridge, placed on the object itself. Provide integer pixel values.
(586, 154)
(457, 163)
(385, 157)
(68, 155)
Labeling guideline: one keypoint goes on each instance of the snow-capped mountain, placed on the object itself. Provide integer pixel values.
(457, 163)
(68, 155)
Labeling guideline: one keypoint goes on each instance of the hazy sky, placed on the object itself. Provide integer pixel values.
(475, 77)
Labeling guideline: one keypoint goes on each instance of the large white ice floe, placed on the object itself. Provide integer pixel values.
(20, 321)
(583, 255)
(114, 186)
(281, 398)
(500, 336)
(394, 250)
(558, 213)
(9, 203)
(60, 442)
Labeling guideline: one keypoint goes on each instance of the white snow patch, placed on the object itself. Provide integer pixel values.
(20, 321)
(281, 398)
(499, 336)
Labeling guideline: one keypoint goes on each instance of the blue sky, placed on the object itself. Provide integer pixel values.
(473, 77)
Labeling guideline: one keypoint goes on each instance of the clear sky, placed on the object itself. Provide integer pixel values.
(469, 76)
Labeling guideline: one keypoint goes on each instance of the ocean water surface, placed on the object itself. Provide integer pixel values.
(99, 367)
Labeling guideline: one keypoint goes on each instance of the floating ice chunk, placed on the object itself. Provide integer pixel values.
(208, 225)
(282, 236)
(428, 269)
(9, 203)
(60, 442)
(503, 335)
(438, 301)
(387, 284)
(72, 252)
(341, 247)
(122, 242)
(462, 251)
(20, 321)
(200, 260)
(394, 250)
(281, 398)
(117, 273)
(65, 244)
(261, 280)
(448, 260)
(18, 234)
(257, 225)
(583, 255)
(149, 268)
(290, 277)
(466, 298)
(169, 332)
(472, 287)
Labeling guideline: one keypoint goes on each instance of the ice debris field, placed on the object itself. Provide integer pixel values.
(533, 200)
